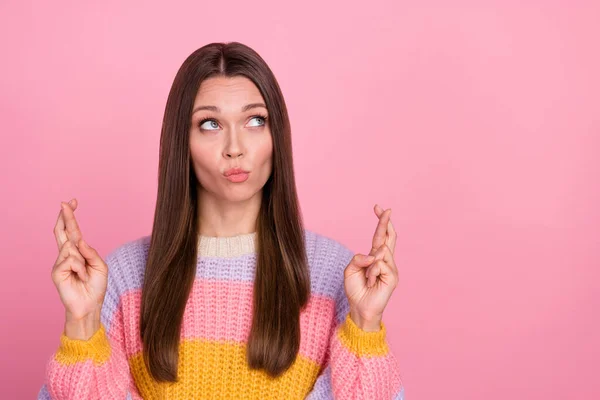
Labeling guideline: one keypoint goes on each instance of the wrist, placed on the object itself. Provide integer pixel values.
(82, 328)
(371, 324)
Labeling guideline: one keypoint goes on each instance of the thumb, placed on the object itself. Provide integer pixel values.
(359, 261)
(90, 254)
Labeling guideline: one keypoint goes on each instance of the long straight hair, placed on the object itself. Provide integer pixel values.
(282, 282)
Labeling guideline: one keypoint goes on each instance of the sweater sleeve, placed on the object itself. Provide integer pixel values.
(95, 368)
(360, 364)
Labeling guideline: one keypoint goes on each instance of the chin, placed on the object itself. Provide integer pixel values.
(238, 194)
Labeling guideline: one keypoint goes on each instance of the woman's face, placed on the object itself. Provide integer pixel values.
(230, 129)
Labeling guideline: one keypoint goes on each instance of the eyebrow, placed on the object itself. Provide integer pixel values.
(217, 109)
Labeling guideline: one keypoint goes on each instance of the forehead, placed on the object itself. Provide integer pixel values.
(227, 92)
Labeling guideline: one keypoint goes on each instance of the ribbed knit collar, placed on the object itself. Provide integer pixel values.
(227, 246)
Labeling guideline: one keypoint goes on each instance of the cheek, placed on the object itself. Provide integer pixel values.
(202, 160)
(264, 152)
(197, 153)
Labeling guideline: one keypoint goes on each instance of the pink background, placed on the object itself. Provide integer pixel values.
(478, 124)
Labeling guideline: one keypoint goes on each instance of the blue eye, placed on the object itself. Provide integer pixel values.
(210, 124)
(213, 124)
(262, 118)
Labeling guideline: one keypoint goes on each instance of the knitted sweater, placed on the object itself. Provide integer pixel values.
(336, 358)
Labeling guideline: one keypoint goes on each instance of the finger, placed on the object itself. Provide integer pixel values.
(68, 266)
(381, 231)
(59, 228)
(376, 271)
(71, 225)
(91, 255)
(373, 272)
(392, 236)
(384, 253)
(67, 250)
(391, 233)
(59, 231)
(359, 262)
(382, 271)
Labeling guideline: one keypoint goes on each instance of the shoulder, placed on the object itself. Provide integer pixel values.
(326, 248)
(131, 250)
(126, 264)
(327, 259)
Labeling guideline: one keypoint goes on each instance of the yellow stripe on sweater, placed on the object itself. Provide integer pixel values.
(97, 348)
(211, 370)
(362, 343)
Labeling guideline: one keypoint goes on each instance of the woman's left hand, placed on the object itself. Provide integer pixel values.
(369, 280)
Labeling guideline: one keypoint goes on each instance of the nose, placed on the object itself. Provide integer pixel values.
(233, 152)
(233, 147)
(235, 155)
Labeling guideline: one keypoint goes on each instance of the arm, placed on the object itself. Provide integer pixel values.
(97, 367)
(360, 364)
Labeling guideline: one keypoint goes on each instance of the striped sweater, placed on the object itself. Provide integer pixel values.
(336, 358)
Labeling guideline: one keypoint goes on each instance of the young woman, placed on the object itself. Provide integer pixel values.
(230, 296)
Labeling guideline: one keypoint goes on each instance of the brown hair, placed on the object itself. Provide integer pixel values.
(282, 282)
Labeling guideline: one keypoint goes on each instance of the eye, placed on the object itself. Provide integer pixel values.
(261, 118)
(208, 124)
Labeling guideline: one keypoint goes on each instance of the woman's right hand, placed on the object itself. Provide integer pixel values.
(80, 275)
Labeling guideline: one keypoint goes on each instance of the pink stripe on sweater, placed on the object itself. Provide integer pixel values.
(222, 310)
(370, 369)
(112, 379)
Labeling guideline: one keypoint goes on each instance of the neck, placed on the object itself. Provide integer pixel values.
(219, 217)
